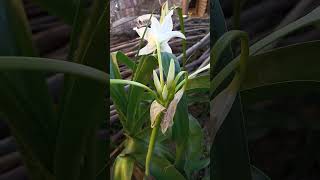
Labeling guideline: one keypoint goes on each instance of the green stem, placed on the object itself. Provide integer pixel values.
(151, 145)
(160, 64)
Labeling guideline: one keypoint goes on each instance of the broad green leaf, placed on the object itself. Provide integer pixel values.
(30, 64)
(221, 105)
(25, 97)
(312, 18)
(195, 148)
(218, 49)
(217, 28)
(307, 20)
(125, 60)
(161, 168)
(65, 9)
(123, 167)
(227, 156)
(295, 62)
(118, 94)
(180, 128)
(143, 75)
(272, 81)
(139, 145)
(83, 107)
(199, 82)
(260, 121)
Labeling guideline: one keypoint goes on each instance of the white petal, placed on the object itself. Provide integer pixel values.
(155, 24)
(168, 117)
(140, 32)
(173, 34)
(148, 49)
(165, 47)
(155, 110)
(167, 24)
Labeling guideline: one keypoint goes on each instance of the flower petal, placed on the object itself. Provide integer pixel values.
(173, 34)
(168, 117)
(140, 32)
(155, 24)
(155, 110)
(148, 49)
(165, 47)
(167, 24)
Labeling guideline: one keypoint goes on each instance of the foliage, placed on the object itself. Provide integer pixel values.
(266, 74)
(56, 143)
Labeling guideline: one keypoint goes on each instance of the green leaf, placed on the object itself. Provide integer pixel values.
(143, 75)
(227, 156)
(139, 145)
(292, 63)
(83, 106)
(218, 49)
(65, 9)
(267, 119)
(25, 98)
(125, 60)
(161, 168)
(30, 64)
(199, 82)
(272, 81)
(195, 148)
(221, 105)
(123, 167)
(307, 20)
(118, 94)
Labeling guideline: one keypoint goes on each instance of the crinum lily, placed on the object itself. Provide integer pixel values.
(158, 36)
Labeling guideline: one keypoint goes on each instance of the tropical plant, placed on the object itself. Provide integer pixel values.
(238, 82)
(145, 107)
(57, 141)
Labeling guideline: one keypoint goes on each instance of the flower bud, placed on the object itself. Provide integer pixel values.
(171, 73)
(165, 92)
(164, 11)
(157, 82)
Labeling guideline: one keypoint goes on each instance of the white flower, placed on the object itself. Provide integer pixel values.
(158, 34)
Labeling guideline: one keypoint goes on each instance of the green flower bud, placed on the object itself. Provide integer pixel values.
(171, 73)
(165, 92)
(157, 82)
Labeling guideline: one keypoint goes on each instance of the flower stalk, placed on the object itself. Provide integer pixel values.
(152, 142)
(160, 64)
